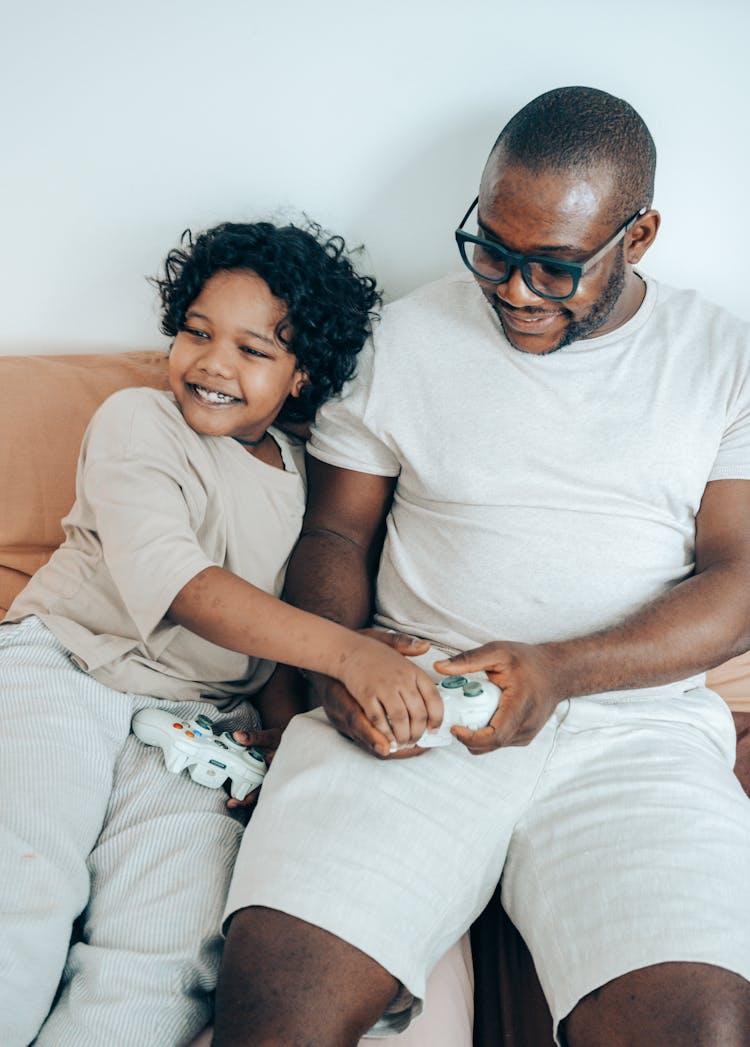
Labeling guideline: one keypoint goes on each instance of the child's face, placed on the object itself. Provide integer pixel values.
(227, 369)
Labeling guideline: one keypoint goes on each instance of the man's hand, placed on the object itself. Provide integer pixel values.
(347, 716)
(528, 678)
(268, 741)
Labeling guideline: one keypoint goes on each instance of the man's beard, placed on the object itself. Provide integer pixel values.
(590, 323)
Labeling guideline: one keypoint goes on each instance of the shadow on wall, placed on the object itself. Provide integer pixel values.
(408, 224)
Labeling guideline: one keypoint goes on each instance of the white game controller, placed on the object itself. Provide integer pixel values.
(468, 701)
(209, 758)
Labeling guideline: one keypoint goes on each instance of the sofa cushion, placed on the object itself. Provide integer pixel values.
(45, 405)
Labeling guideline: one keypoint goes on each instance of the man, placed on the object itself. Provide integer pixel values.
(559, 449)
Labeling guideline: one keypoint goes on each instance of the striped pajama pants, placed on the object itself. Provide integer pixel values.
(114, 871)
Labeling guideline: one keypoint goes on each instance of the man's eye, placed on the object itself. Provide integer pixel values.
(492, 255)
(554, 272)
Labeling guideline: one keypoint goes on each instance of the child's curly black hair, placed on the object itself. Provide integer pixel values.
(330, 307)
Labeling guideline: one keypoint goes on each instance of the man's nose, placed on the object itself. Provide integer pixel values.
(516, 292)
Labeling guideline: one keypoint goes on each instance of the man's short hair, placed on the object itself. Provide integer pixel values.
(578, 128)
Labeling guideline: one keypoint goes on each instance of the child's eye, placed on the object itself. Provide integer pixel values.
(249, 351)
(194, 331)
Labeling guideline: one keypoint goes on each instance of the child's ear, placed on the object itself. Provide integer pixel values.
(301, 379)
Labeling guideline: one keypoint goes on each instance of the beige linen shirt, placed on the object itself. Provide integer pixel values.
(156, 503)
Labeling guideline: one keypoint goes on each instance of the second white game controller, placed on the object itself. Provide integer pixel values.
(210, 759)
(468, 701)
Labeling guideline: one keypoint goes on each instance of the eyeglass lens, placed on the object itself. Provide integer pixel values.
(544, 278)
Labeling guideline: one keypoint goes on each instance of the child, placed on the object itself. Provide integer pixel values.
(166, 593)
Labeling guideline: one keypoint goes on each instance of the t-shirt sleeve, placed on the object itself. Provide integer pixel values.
(345, 434)
(147, 504)
(733, 457)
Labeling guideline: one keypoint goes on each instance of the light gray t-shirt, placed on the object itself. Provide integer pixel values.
(539, 497)
(156, 503)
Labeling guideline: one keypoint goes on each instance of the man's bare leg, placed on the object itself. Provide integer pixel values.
(287, 983)
(670, 1004)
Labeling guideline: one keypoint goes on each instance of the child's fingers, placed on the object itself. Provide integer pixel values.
(349, 718)
(391, 718)
(423, 706)
(433, 703)
(374, 739)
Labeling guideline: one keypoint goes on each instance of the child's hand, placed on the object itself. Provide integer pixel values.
(397, 697)
(268, 741)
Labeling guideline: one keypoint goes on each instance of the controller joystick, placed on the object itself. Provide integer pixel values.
(210, 759)
(468, 701)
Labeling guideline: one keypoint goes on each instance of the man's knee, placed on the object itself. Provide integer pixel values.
(671, 1004)
(292, 982)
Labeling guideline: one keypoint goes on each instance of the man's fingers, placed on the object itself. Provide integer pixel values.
(250, 800)
(466, 662)
(401, 642)
(269, 738)
(509, 725)
(406, 753)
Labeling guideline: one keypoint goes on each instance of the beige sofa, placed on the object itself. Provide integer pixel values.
(45, 405)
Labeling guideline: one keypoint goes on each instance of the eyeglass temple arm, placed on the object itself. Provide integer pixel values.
(608, 246)
(463, 220)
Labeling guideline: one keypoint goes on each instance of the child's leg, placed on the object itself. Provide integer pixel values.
(60, 740)
(147, 963)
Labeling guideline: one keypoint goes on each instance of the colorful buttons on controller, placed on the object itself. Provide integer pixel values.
(453, 681)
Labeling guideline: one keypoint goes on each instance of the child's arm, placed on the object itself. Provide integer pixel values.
(399, 699)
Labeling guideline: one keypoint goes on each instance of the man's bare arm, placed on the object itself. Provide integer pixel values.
(702, 622)
(332, 572)
(333, 566)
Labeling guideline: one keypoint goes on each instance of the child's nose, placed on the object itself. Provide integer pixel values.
(217, 359)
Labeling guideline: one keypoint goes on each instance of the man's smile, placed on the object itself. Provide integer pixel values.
(527, 321)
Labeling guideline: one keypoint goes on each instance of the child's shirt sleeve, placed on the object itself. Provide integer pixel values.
(146, 501)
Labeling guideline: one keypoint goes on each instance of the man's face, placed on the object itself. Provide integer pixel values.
(565, 217)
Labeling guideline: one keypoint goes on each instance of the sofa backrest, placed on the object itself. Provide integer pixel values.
(45, 405)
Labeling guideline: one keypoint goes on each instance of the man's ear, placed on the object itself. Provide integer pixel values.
(641, 235)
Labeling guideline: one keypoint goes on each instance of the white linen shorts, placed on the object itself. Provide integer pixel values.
(621, 833)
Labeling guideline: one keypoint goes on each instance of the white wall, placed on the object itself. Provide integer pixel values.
(124, 124)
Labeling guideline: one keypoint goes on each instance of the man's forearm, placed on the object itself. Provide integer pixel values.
(281, 698)
(699, 624)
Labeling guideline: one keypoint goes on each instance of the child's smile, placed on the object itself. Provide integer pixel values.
(213, 396)
(228, 370)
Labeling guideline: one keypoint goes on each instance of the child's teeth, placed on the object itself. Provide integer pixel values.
(212, 396)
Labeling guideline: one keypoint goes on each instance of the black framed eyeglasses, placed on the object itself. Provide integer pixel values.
(546, 277)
